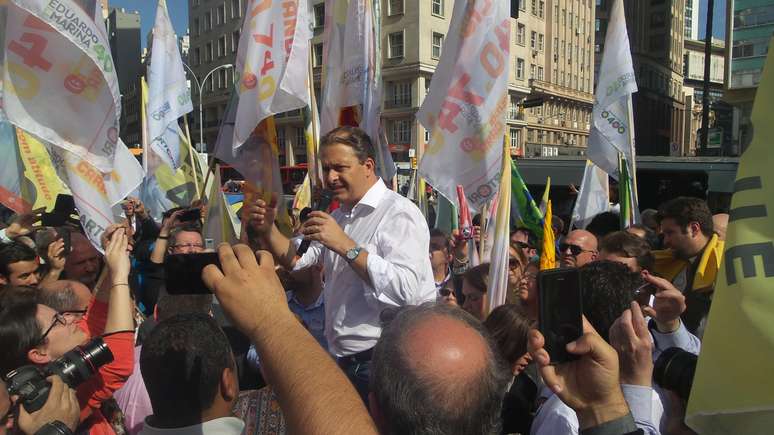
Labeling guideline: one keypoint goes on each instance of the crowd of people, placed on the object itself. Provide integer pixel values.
(364, 321)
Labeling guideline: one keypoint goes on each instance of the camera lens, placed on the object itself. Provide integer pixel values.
(674, 370)
(79, 364)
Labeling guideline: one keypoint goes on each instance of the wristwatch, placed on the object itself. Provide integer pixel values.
(352, 254)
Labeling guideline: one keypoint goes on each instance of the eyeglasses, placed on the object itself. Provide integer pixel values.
(574, 249)
(77, 314)
(522, 245)
(58, 319)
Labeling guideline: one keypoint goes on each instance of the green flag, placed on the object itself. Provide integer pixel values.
(525, 212)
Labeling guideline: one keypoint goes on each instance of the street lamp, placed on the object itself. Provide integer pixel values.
(201, 89)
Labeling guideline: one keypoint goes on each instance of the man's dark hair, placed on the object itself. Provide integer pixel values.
(604, 224)
(628, 245)
(14, 252)
(650, 236)
(478, 277)
(19, 332)
(13, 294)
(172, 305)
(435, 232)
(532, 239)
(353, 137)
(182, 362)
(509, 326)
(685, 210)
(608, 289)
(188, 227)
(413, 404)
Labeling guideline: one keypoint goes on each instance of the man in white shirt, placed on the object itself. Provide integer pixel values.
(372, 250)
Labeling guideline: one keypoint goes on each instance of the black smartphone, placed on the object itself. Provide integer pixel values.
(183, 272)
(192, 214)
(64, 234)
(561, 309)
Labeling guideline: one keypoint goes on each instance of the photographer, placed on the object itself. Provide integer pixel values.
(36, 334)
(58, 416)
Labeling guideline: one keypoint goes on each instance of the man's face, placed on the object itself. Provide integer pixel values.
(23, 273)
(439, 255)
(187, 242)
(343, 173)
(521, 240)
(676, 238)
(62, 335)
(128, 207)
(578, 249)
(474, 301)
(514, 268)
(630, 262)
(82, 264)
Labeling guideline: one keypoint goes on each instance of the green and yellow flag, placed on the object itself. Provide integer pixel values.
(733, 391)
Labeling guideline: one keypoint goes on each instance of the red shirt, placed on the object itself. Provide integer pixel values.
(111, 376)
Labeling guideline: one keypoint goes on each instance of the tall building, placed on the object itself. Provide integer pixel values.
(693, 70)
(692, 19)
(413, 33)
(750, 25)
(656, 35)
(123, 29)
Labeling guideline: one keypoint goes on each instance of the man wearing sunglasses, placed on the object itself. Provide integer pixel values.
(578, 249)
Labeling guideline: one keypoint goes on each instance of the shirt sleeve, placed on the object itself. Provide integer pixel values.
(93, 323)
(111, 376)
(312, 257)
(640, 400)
(681, 338)
(397, 270)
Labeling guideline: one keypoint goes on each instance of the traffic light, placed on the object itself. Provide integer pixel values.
(413, 162)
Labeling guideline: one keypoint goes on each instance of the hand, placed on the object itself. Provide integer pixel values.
(589, 385)
(117, 256)
(55, 255)
(104, 239)
(62, 405)
(21, 225)
(171, 222)
(574, 190)
(248, 290)
(631, 338)
(321, 227)
(260, 215)
(139, 208)
(668, 304)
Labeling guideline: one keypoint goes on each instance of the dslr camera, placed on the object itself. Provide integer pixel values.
(74, 367)
(674, 370)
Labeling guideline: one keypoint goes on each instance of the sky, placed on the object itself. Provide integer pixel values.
(178, 13)
(718, 19)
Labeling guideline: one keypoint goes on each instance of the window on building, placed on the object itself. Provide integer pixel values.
(222, 82)
(540, 73)
(197, 56)
(399, 94)
(234, 40)
(221, 46)
(400, 131)
(514, 134)
(196, 3)
(533, 40)
(437, 45)
(755, 16)
(520, 69)
(437, 7)
(523, 5)
(236, 8)
(317, 54)
(396, 45)
(395, 7)
(534, 7)
(513, 107)
(541, 8)
(220, 15)
(196, 29)
(207, 21)
(521, 31)
(532, 69)
(208, 52)
(281, 137)
(319, 15)
(540, 42)
(300, 138)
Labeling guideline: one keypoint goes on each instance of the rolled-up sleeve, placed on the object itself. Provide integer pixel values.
(681, 338)
(400, 269)
(312, 257)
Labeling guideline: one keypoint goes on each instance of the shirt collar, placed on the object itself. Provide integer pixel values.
(223, 425)
(373, 197)
(291, 295)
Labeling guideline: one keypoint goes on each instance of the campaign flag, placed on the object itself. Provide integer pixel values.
(11, 178)
(272, 62)
(220, 224)
(629, 214)
(546, 193)
(168, 96)
(465, 107)
(500, 237)
(40, 185)
(526, 213)
(593, 198)
(95, 193)
(732, 391)
(548, 251)
(612, 118)
(59, 79)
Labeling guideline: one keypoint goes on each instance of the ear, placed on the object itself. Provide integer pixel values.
(370, 164)
(695, 228)
(38, 356)
(229, 385)
(3, 279)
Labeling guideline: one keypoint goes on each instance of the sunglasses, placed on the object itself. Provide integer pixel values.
(522, 245)
(445, 292)
(574, 249)
(58, 319)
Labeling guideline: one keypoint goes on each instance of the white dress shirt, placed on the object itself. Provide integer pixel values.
(394, 233)
(219, 426)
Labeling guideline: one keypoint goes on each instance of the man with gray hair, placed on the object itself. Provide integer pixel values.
(71, 298)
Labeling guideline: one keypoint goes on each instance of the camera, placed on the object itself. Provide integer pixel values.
(674, 370)
(74, 367)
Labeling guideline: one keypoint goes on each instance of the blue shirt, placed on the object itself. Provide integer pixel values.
(313, 316)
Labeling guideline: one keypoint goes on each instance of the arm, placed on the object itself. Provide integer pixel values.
(260, 219)
(162, 241)
(666, 326)
(56, 261)
(314, 394)
(120, 310)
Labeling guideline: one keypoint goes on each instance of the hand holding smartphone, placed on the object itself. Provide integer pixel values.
(183, 272)
(560, 320)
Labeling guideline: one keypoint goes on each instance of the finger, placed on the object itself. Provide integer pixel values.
(211, 275)
(587, 328)
(649, 311)
(535, 346)
(57, 387)
(660, 283)
(638, 321)
(626, 325)
(310, 230)
(321, 215)
(584, 345)
(228, 260)
(265, 259)
(551, 378)
(245, 256)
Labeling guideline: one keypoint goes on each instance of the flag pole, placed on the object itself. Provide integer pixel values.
(191, 151)
(633, 174)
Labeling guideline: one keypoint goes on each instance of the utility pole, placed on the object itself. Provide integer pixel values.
(705, 102)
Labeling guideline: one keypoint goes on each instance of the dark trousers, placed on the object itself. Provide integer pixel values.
(358, 369)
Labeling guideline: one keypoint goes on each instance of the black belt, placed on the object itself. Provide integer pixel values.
(356, 358)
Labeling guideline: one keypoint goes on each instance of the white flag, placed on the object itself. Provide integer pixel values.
(611, 127)
(60, 84)
(168, 95)
(96, 193)
(593, 198)
(272, 60)
(465, 108)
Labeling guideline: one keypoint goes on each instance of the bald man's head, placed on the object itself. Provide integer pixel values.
(434, 370)
(578, 249)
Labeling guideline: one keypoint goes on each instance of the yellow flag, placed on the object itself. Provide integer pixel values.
(733, 391)
(548, 253)
(39, 170)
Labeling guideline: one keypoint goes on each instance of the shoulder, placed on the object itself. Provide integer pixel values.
(555, 417)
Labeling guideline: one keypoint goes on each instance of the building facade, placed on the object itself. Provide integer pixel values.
(692, 19)
(693, 71)
(750, 24)
(123, 29)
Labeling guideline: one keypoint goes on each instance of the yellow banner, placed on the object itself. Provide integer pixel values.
(733, 391)
(44, 184)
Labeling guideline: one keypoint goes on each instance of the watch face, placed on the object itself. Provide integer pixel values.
(353, 253)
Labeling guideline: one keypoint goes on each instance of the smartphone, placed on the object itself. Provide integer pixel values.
(560, 320)
(192, 214)
(64, 234)
(183, 272)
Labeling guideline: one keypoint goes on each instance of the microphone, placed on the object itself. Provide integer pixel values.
(326, 197)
